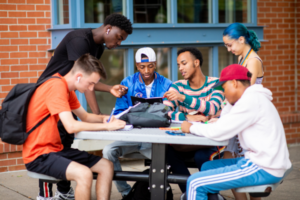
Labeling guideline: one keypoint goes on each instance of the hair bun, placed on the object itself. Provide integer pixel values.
(253, 41)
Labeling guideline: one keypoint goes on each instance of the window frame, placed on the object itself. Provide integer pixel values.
(72, 7)
(76, 14)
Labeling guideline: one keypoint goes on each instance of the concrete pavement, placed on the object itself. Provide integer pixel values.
(18, 186)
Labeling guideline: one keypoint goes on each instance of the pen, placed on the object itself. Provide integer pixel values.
(174, 133)
(126, 89)
(112, 112)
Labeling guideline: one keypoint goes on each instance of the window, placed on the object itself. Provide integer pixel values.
(231, 11)
(113, 61)
(62, 12)
(194, 11)
(205, 65)
(225, 58)
(95, 11)
(166, 25)
(162, 61)
(150, 11)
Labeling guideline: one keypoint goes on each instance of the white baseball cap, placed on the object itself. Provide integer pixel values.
(145, 54)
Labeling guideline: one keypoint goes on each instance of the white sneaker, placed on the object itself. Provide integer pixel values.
(46, 198)
(69, 196)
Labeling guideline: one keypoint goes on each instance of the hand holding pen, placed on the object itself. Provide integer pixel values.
(111, 115)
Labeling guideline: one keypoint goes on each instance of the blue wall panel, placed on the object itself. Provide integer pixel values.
(129, 62)
(215, 61)
(174, 67)
(57, 36)
(174, 36)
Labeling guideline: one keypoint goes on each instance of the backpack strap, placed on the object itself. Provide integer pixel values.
(38, 124)
(46, 79)
(45, 118)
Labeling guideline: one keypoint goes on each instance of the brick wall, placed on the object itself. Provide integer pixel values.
(10, 157)
(24, 41)
(278, 53)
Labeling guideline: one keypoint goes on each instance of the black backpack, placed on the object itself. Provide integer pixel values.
(140, 191)
(14, 112)
(148, 115)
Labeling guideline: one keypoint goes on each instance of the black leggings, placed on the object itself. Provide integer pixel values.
(62, 186)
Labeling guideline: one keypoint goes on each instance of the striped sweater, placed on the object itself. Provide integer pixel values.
(205, 100)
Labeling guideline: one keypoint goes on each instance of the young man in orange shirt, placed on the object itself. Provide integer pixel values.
(113, 31)
(43, 151)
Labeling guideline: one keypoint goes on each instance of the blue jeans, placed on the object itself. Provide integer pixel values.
(226, 174)
(177, 160)
(116, 149)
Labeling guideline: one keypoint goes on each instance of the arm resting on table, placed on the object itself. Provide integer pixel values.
(73, 126)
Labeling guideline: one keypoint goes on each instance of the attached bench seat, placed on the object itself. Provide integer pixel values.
(262, 190)
(118, 175)
(43, 177)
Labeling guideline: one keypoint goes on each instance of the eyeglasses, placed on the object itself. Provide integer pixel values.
(230, 44)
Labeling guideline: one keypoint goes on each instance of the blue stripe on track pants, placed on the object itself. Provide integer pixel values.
(226, 174)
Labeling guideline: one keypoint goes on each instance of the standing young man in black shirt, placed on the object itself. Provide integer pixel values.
(114, 30)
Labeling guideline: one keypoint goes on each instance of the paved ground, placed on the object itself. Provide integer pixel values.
(18, 186)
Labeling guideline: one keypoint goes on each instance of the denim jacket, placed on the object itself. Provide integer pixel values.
(137, 88)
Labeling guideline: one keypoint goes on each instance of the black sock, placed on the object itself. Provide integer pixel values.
(45, 189)
(64, 186)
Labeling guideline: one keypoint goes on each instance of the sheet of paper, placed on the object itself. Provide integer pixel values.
(180, 122)
(125, 111)
(126, 128)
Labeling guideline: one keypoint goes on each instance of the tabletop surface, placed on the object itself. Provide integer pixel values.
(151, 135)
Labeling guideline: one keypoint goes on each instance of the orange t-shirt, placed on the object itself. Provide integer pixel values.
(51, 97)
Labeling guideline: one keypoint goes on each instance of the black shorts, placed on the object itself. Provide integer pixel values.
(55, 164)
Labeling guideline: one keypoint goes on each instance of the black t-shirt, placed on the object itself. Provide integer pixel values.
(75, 44)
